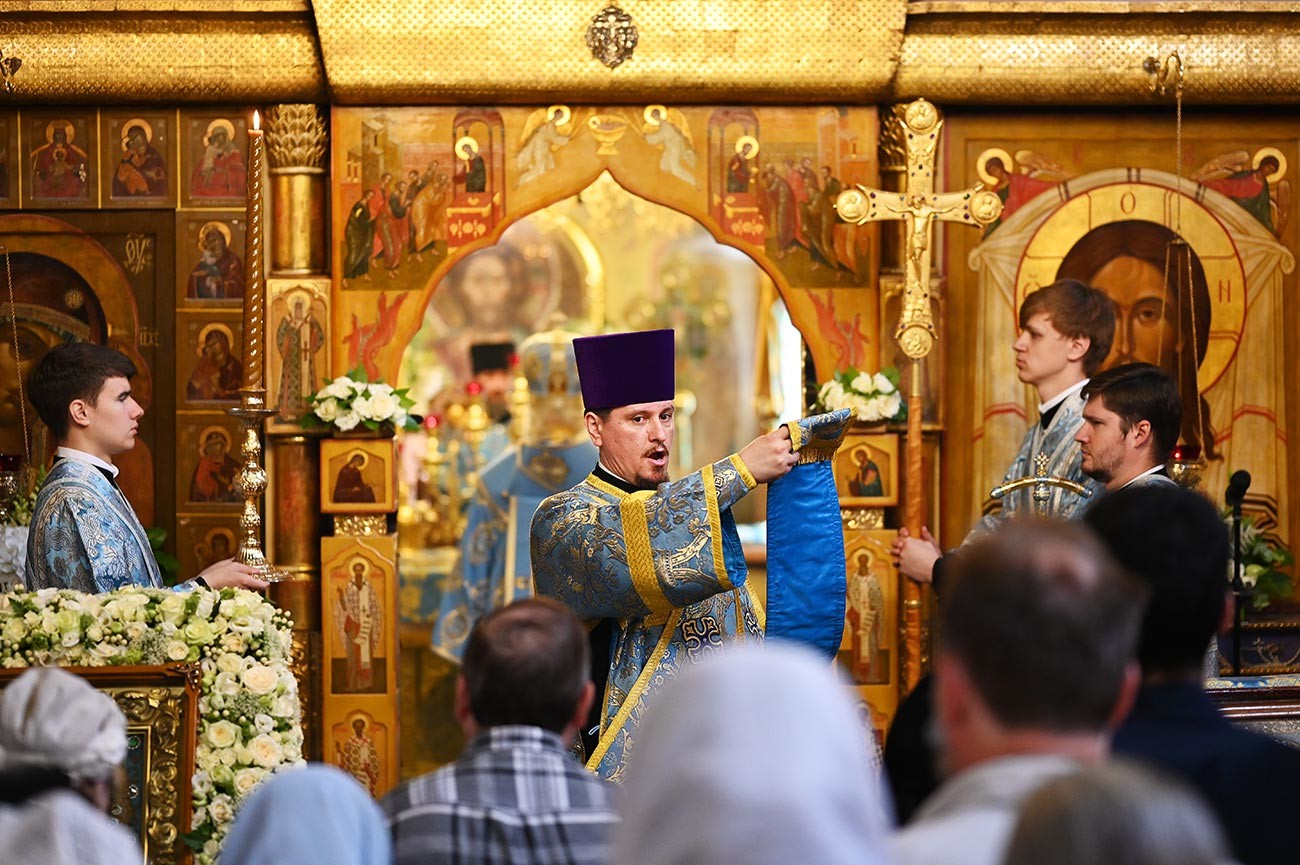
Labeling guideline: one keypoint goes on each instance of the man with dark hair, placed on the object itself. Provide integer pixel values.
(84, 534)
(1065, 333)
(516, 795)
(1131, 419)
(1035, 669)
(1176, 543)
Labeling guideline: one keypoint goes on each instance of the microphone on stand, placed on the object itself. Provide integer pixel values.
(1233, 496)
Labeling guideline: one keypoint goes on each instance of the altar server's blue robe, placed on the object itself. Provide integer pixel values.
(85, 536)
(1064, 460)
(494, 566)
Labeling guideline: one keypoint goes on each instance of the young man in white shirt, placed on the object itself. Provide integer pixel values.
(84, 534)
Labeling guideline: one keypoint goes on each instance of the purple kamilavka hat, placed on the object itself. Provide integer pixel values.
(617, 369)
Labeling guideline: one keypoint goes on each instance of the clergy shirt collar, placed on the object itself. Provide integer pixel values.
(83, 457)
(1045, 407)
(619, 481)
(1154, 470)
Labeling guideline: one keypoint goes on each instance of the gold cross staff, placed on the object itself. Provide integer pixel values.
(918, 208)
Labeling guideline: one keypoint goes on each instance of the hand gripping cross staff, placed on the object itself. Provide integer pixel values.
(918, 207)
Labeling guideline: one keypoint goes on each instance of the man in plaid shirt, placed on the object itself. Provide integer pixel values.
(516, 795)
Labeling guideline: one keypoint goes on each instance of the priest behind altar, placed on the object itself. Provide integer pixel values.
(644, 561)
(84, 534)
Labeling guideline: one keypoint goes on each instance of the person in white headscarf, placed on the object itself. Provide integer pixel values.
(757, 756)
(313, 816)
(61, 747)
(56, 730)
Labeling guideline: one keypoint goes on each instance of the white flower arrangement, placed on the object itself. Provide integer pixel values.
(249, 721)
(350, 401)
(873, 397)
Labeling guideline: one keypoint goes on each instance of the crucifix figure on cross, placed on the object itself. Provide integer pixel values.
(918, 207)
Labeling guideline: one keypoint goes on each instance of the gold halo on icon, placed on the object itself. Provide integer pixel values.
(558, 114)
(224, 125)
(1260, 155)
(467, 147)
(222, 532)
(69, 130)
(137, 121)
(207, 329)
(365, 457)
(982, 162)
(355, 560)
(221, 432)
(219, 226)
(747, 142)
(655, 114)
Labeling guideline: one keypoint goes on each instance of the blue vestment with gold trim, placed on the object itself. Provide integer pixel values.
(494, 567)
(85, 536)
(666, 564)
(1064, 460)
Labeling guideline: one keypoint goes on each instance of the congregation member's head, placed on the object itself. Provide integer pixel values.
(1116, 813)
(58, 732)
(1131, 420)
(628, 383)
(82, 391)
(1176, 543)
(755, 756)
(317, 815)
(1039, 628)
(1066, 330)
(526, 664)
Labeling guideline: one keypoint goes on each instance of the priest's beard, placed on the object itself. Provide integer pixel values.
(651, 480)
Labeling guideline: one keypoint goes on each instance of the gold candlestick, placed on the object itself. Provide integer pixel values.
(252, 410)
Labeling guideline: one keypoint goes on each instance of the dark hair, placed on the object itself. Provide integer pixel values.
(1076, 310)
(74, 371)
(1175, 542)
(1141, 392)
(1044, 623)
(526, 663)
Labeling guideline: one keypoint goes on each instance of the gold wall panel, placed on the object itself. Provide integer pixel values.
(145, 52)
(397, 52)
(1094, 59)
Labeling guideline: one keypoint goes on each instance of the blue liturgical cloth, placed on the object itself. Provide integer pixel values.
(805, 540)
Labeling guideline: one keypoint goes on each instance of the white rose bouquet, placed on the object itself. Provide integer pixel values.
(1262, 561)
(350, 401)
(249, 724)
(874, 397)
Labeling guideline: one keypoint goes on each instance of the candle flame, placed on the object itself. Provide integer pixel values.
(257, 119)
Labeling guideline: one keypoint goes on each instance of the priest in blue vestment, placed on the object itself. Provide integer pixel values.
(494, 567)
(654, 566)
(84, 534)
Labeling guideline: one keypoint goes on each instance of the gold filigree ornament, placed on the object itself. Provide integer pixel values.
(9, 67)
(612, 37)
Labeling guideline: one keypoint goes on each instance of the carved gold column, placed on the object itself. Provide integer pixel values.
(297, 145)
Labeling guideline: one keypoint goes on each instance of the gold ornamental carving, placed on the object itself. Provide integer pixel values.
(297, 136)
(612, 37)
(1091, 53)
(163, 52)
(862, 519)
(728, 51)
(8, 68)
(361, 525)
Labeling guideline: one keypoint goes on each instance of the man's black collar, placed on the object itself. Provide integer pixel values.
(614, 480)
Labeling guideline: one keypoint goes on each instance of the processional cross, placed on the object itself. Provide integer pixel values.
(918, 207)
